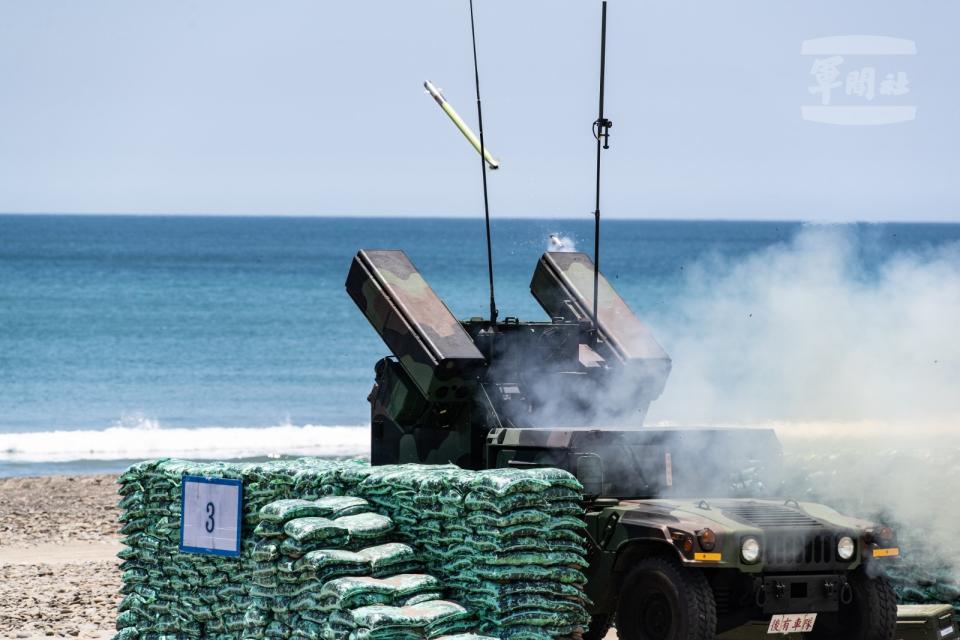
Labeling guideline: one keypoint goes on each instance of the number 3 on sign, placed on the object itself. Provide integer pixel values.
(210, 516)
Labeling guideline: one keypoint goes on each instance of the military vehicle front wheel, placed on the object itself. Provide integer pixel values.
(661, 600)
(871, 615)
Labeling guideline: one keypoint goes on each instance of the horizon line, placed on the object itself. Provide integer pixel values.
(408, 216)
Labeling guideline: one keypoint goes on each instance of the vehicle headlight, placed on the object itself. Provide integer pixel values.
(708, 539)
(750, 550)
(845, 547)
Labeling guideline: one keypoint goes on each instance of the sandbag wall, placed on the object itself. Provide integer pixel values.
(504, 544)
(326, 570)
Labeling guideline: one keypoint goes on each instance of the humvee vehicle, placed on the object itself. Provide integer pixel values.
(687, 533)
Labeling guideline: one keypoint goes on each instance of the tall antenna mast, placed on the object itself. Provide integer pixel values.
(483, 165)
(601, 131)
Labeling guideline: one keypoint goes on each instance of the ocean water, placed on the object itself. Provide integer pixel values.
(129, 337)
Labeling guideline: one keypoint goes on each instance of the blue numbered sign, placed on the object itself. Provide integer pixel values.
(210, 516)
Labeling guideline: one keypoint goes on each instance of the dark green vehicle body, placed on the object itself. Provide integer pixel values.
(525, 394)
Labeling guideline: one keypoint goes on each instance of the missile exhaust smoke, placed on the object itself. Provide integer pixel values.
(854, 358)
(560, 242)
(850, 353)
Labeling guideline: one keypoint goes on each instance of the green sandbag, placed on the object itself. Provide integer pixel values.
(450, 627)
(283, 510)
(290, 548)
(385, 634)
(484, 545)
(341, 506)
(544, 613)
(495, 592)
(311, 587)
(536, 601)
(128, 633)
(387, 557)
(256, 617)
(444, 619)
(563, 575)
(540, 559)
(327, 559)
(265, 552)
(305, 534)
(128, 553)
(358, 597)
(523, 632)
(556, 478)
(419, 616)
(566, 508)
(308, 630)
(482, 501)
(353, 592)
(307, 600)
(483, 520)
(566, 522)
(135, 576)
(545, 531)
(315, 530)
(500, 482)
(277, 630)
(127, 619)
(365, 526)
(426, 596)
(132, 602)
(269, 530)
(326, 507)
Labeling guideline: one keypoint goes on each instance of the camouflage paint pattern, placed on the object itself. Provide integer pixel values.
(414, 323)
(563, 285)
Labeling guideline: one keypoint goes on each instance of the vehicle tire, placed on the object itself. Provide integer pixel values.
(872, 615)
(599, 626)
(662, 600)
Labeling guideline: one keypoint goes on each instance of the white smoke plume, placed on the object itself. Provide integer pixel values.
(856, 363)
(804, 332)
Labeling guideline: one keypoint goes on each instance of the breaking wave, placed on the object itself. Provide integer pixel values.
(138, 442)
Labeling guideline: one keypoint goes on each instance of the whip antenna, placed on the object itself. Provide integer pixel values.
(601, 131)
(483, 165)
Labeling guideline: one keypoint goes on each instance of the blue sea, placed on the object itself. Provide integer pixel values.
(124, 337)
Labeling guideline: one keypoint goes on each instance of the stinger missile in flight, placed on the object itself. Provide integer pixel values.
(492, 162)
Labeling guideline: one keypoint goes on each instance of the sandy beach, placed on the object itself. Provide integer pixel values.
(59, 572)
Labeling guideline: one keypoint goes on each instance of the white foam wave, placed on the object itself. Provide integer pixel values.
(207, 443)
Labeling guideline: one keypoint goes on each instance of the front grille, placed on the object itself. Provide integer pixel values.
(801, 551)
(767, 515)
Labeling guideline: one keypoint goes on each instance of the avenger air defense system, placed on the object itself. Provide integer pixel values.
(687, 533)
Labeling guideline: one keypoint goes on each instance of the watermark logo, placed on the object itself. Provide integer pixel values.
(857, 80)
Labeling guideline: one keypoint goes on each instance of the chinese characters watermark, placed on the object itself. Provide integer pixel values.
(856, 81)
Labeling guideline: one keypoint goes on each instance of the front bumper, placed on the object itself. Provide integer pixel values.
(803, 593)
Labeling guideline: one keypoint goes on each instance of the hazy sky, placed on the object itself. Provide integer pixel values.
(317, 108)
